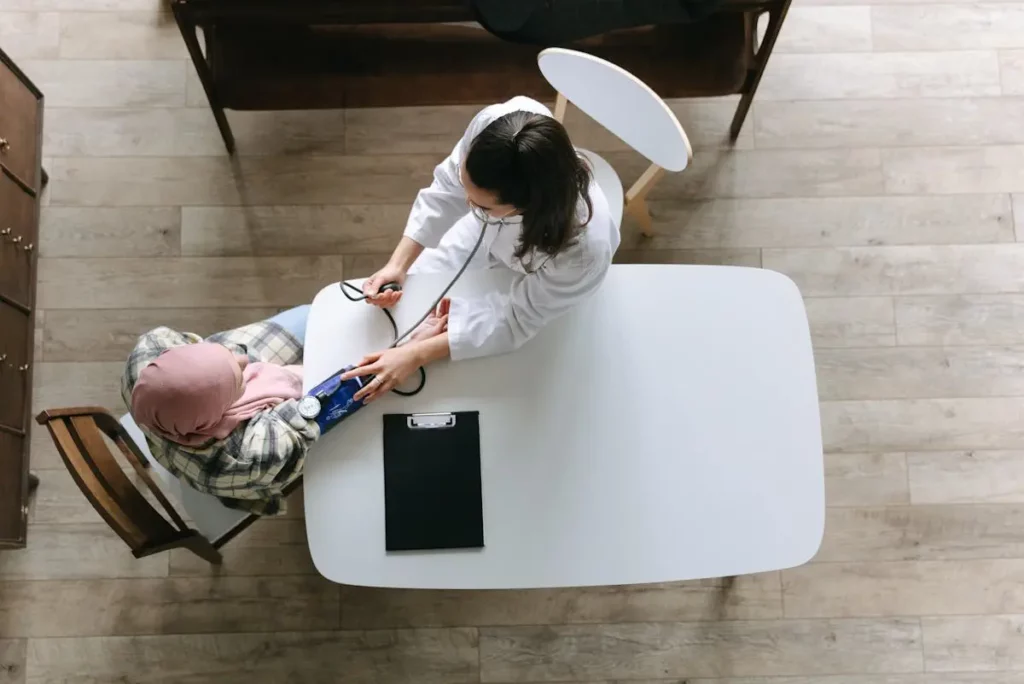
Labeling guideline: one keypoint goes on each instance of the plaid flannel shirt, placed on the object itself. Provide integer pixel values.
(249, 469)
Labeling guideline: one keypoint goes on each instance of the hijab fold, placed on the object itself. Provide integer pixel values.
(190, 394)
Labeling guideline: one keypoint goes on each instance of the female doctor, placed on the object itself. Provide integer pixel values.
(515, 175)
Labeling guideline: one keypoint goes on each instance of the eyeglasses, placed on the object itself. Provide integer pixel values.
(484, 217)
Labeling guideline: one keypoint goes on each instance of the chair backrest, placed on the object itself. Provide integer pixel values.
(620, 102)
(78, 434)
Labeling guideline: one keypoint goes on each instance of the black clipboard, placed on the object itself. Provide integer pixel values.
(432, 488)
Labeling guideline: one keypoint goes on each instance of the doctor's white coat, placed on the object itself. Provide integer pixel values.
(544, 289)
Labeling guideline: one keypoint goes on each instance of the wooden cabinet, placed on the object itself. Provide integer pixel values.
(14, 357)
(21, 118)
(17, 238)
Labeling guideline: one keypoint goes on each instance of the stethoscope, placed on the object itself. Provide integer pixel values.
(486, 221)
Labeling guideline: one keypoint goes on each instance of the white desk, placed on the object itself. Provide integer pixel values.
(630, 442)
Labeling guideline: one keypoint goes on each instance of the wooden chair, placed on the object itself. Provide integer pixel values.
(629, 109)
(78, 433)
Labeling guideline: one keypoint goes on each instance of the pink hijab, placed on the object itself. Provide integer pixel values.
(190, 394)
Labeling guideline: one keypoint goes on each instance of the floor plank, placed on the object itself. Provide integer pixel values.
(121, 35)
(920, 372)
(873, 75)
(954, 170)
(953, 477)
(43, 454)
(215, 281)
(216, 181)
(923, 532)
(292, 230)
(830, 590)
(270, 547)
(427, 656)
(764, 174)
(866, 479)
(81, 551)
(104, 232)
(167, 606)
(959, 319)
(750, 258)
(838, 322)
(889, 123)
(109, 83)
(1018, 216)
(747, 597)
(974, 643)
(110, 131)
(923, 424)
(364, 265)
(430, 131)
(30, 35)
(318, 132)
(1011, 66)
(827, 222)
(824, 29)
(929, 678)
(918, 678)
(58, 500)
(864, 271)
(83, 5)
(683, 650)
(90, 383)
(944, 26)
(12, 661)
(111, 334)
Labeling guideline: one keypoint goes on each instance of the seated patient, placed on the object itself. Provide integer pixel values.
(221, 413)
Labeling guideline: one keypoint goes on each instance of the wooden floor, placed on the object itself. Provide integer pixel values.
(878, 170)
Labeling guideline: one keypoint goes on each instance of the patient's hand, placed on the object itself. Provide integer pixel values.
(435, 324)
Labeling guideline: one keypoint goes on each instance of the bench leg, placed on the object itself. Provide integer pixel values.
(188, 34)
(775, 18)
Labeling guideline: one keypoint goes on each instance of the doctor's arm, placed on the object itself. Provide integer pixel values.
(433, 213)
(498, 323)
(483, 326)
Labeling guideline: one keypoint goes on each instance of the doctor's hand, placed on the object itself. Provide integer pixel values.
(390, 367)
(372, 285)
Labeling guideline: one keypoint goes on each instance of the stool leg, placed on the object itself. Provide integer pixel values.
(641, 214)
(636, 198)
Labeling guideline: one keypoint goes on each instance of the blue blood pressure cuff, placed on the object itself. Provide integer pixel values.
(332, 400)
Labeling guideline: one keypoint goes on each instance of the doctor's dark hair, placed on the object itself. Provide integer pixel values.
(528, 161)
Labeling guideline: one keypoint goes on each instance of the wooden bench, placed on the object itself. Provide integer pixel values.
(261, 55)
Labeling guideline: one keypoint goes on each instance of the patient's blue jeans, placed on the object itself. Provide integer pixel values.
(294, 321)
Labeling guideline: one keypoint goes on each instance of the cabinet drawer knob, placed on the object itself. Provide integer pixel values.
(23, 367)
(5, 145)
(28, 247)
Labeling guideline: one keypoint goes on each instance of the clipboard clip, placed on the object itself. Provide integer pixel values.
(430, 421)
